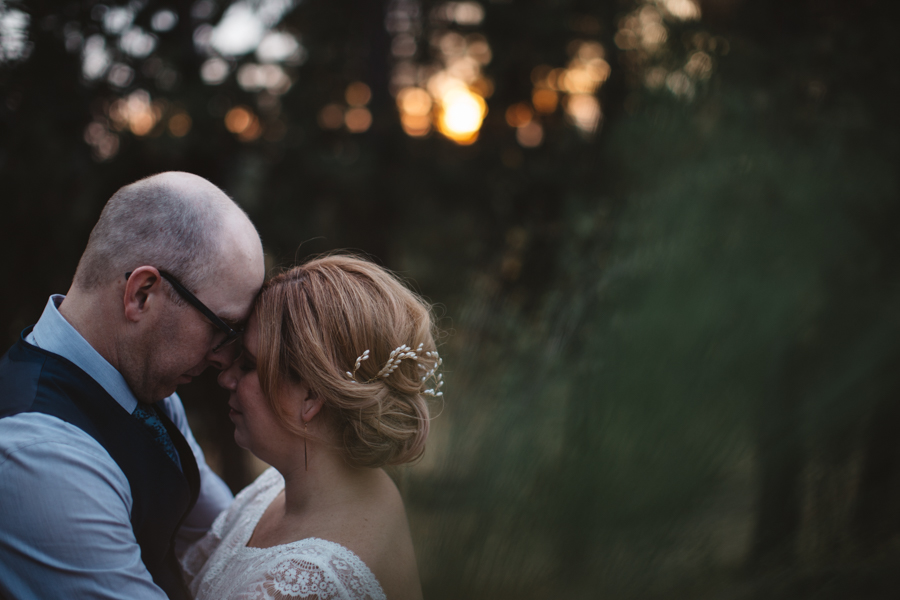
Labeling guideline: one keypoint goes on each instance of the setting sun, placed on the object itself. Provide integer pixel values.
(461, 115)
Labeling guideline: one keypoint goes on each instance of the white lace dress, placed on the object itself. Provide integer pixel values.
(220, 566)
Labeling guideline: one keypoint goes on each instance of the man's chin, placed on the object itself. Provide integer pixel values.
(164, 392)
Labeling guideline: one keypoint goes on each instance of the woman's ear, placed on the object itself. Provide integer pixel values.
(310, 406)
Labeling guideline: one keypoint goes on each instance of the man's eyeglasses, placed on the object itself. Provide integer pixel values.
(230, 334)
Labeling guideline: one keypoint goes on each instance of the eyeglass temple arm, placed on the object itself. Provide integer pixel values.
(193, 301)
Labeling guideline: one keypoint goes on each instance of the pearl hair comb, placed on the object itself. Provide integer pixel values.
(399, 354)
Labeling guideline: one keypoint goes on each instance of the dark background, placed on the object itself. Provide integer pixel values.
(671, 343)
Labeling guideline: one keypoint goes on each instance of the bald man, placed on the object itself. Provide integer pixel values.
(102, 484)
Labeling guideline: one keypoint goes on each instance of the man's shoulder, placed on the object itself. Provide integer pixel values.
(39, 451)
(34, 432)
(21, 368)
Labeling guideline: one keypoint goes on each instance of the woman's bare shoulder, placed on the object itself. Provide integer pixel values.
(378, 532)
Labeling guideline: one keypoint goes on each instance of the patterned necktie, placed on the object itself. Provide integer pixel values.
(146, 414)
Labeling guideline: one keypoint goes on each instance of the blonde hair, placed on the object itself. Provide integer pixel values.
(315, 320)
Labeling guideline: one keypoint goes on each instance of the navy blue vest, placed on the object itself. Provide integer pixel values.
(34, 380)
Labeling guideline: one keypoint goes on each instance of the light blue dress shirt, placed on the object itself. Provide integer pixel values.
(65, 506)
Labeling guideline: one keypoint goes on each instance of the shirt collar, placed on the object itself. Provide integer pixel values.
(54, 334)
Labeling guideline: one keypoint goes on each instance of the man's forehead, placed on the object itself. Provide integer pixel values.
(234, 314)
(239, 272)
(232, 322)
(231, 298)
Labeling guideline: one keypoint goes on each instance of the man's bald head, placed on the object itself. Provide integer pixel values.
(172, 221)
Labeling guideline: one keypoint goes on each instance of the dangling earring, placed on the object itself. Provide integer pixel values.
(305, 455)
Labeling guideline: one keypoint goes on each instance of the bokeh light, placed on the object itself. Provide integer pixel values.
(414, 101)
(404, 46)
(479, 49)
(201, 37)
(241, 121)
(116, 19)
(136, 113)
(247, 26)
(461, 114)
(684, 10)
(95, 59)
(255, 78)
(576, 85)
(14, 44)
(331, 116)
(415, 105)
(358, 119)
(214, 71)
(448, 94)
(699, 65)
(655, 77)
(586, 71)
(462, 13)
(73, 37)
(530, 135)
(519, 115)
(643, 36)
(415, 126)
(680, 84)
(103, 142)
(164, 20)
(583, 111)
(358, 94)
(544, 101)
(120, 75)
(137, 43)
(642, 29)
(239, 31)
(280, 46)
(180, 124)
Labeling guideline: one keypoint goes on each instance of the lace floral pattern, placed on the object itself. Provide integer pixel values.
(221, 566)
(296, 578)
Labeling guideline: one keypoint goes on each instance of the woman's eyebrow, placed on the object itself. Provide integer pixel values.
(246, 351)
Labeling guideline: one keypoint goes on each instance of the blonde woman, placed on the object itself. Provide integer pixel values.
(330, 387)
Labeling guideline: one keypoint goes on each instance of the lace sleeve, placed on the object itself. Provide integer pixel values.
(196, 556)
(318, 571)
(294, 579)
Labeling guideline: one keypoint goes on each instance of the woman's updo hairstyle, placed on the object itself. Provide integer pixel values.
(316, 320)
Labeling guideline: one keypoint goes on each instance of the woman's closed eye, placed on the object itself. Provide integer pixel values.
(245, 363)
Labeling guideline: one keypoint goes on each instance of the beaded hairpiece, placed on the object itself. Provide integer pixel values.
(401, 353)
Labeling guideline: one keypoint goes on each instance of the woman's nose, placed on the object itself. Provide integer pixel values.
(227, 378)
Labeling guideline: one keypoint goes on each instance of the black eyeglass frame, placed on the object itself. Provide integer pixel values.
(230, 334)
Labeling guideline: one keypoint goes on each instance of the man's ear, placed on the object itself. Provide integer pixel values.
(141, 289)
